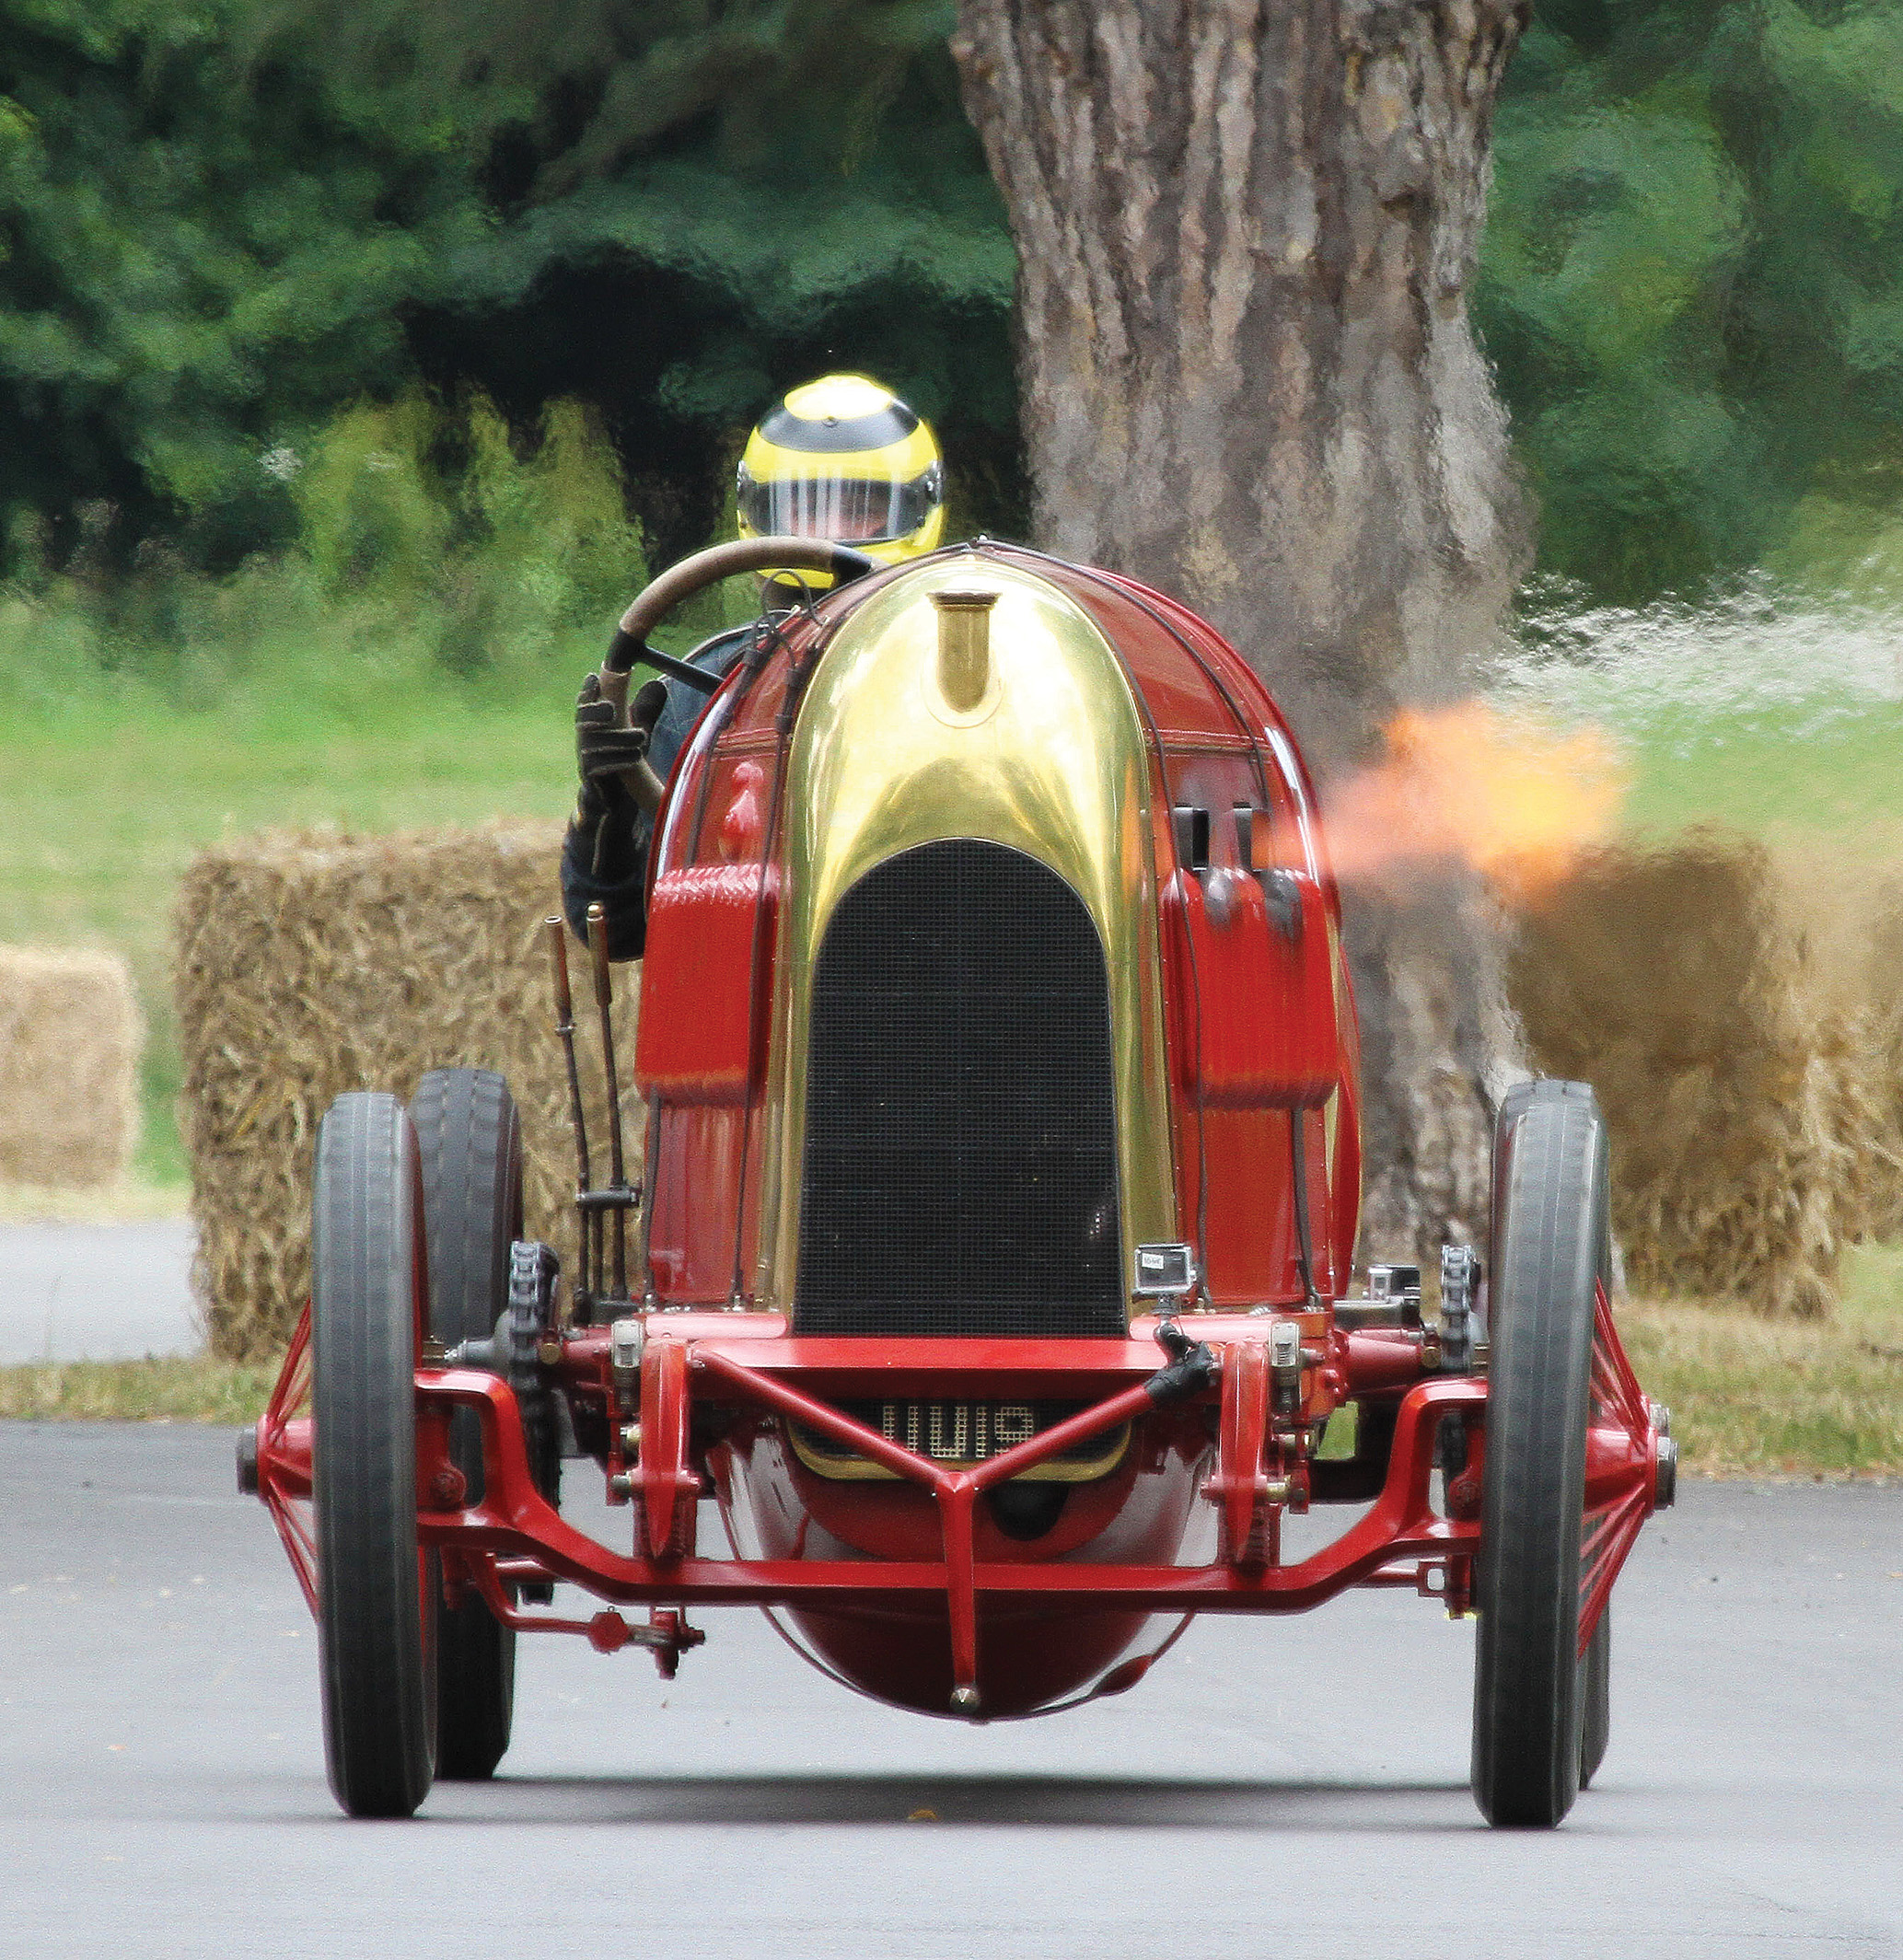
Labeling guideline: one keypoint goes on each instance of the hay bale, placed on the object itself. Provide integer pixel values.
(1745, 1098)
(1848, 912)
(70, 1039)
(1883, 1033)
(309, 964)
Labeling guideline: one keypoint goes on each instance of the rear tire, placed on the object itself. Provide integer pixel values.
(377, 1593)
(1595, 1699)
(469, 1140)
(1550, 1250)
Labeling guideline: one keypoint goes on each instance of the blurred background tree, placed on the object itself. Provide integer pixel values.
(1693, 285)
(231, 221)
(197, 259)
(225, 224)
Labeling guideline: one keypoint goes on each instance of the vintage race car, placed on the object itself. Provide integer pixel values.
(991, 1261)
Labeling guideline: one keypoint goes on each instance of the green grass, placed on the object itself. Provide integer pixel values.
(1757, 1397)
(98, 816)
(260, 706)
(1770, 710)
(1842, 782)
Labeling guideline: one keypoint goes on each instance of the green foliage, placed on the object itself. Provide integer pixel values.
(426, 540)
(226, 223)
(558, 519)
(743, 199)
(199, 261)
(370, 518)
(409, 505)
(714, 202)
(1692, 284)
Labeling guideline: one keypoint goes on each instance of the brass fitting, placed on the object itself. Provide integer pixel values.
(964, 646)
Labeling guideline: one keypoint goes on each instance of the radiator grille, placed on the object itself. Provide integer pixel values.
(960, 1167)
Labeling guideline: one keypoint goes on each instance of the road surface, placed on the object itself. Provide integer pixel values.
(1296, 1786)
(96, 1292)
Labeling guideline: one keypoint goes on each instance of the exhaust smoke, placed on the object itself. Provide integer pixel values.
(1469, 785)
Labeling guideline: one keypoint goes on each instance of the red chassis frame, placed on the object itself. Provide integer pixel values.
(751, 1363)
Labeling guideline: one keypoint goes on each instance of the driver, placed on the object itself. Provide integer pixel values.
(841, 458)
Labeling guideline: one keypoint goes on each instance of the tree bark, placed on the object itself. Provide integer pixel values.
(1246, 229)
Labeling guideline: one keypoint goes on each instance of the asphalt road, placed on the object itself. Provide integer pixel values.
(1291, 1786)
(96, 1292)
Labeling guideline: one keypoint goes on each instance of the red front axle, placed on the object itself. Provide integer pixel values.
(747, 1363)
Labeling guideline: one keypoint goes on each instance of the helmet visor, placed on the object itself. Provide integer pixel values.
(848, 510)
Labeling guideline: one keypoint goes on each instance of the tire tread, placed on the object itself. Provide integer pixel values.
(1549, 1210)
(469, 1140)
(379, 1698)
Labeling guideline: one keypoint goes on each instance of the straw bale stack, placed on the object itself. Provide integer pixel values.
(1884, 991)
(309, 964)
(1747, 1101)
(70, 1038)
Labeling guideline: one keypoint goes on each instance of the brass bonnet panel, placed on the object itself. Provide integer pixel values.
(894, 747)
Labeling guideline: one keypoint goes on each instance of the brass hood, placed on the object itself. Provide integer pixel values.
(891, 750)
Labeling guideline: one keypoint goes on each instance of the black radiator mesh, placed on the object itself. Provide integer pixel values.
(960, 1167)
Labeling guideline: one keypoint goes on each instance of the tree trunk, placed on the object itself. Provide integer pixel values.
(1244, 232)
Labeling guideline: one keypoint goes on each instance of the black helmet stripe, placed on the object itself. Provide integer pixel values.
(879, 430)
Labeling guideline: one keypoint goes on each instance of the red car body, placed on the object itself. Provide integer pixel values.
(975, 1475)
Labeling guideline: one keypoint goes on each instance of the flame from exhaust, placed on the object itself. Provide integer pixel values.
(1506, 797)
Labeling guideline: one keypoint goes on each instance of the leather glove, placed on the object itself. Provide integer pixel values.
(602, 750)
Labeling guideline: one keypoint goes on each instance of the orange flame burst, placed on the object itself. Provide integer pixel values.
(1516, 802)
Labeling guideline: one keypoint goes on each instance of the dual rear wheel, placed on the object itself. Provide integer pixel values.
(470, 1140)
(412, 1217)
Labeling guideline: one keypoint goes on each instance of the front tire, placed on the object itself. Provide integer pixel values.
(1552, 1242)
(470, 1140)
(377, 1592)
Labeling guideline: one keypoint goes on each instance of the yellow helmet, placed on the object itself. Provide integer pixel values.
(844, 458)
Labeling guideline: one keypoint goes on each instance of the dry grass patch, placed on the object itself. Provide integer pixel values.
(161, 1388)
(113, 1204)
(1752, 1398)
